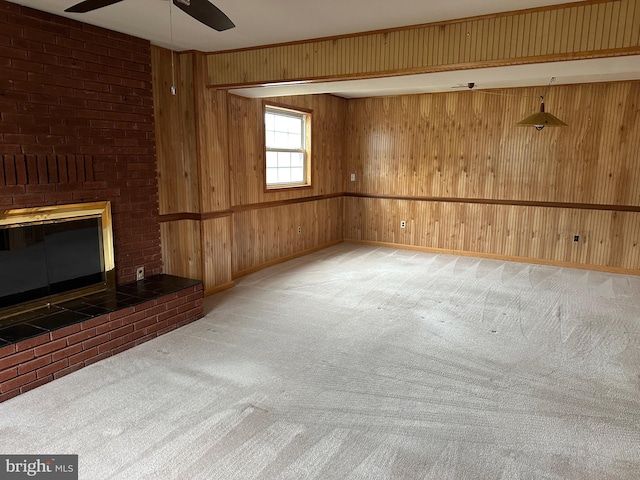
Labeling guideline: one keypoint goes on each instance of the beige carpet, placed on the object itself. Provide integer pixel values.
(365, 363)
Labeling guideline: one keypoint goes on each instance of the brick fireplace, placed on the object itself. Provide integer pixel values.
(69, 89)
(76, 125)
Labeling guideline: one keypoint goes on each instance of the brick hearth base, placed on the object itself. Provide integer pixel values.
(30, 363)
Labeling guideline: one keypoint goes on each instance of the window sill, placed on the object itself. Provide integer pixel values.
(281, 188)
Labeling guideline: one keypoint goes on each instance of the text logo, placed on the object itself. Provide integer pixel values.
(49, 467)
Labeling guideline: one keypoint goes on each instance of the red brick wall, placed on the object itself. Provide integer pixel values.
(69, 88)
(28, 364)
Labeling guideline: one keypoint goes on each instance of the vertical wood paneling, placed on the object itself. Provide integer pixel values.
(466, 145)
(213, 143)
(181, 248)
(175, 124)
(561, 32)
(216, 250)
(607, 239)
(264, 235)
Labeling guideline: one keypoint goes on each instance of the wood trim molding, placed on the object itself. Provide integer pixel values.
(175, 217)
(493, 256)
(278, 203)
(219, 288)
(220, 214)
(488, 201)
(271, 263)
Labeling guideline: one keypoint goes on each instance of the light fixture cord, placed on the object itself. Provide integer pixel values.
(553, 79)
(502, 94)
(173, 73)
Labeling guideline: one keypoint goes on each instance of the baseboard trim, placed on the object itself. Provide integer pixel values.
(271, 263)
(219, 288)
(507, 258)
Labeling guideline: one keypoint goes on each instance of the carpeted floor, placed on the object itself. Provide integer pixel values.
(358, 362)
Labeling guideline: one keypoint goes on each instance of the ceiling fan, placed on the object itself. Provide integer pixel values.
(201, 10)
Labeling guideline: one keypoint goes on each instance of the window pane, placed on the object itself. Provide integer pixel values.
(269, 121)
(297, 174)
(284, 130)
(271, 142)
(294, 141)
(272, 159)
(280, 140)
(297, 160)
(281, 123)
(293, 125)
(272, 175)
(284, 159)
(284, 175)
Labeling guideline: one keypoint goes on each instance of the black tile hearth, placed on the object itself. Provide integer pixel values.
(59, 320)
(93, 310)
(21, 331)
(35, 322)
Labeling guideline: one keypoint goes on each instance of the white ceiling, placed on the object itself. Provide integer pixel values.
(264, 22)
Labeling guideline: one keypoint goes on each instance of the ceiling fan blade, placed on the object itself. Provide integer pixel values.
(207, 13)
(89, 5)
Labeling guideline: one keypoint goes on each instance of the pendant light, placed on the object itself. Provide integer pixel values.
(542, 119)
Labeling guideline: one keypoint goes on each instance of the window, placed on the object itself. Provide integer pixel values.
(288, 147)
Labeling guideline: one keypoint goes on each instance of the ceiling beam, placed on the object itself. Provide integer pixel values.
(581, 30)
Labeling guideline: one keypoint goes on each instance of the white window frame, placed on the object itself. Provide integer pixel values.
(305, 147)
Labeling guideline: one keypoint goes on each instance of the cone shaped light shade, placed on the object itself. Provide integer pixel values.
(541, 119)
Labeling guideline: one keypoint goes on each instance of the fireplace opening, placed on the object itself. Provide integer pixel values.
(53, 254)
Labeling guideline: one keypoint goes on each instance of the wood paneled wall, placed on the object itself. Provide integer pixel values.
(213, 142)
(193, 171)
(606, 238)
(465, 178)
(246, 147)
(175, 123)
(216, 252)
(264, 236)
(211, 166)
(466, 145)
(181, 248)
(588, 29)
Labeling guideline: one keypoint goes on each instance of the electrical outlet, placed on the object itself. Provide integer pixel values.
(576, 238)
(140, 273)
(299, 230)
(353, 177)
(403, 224)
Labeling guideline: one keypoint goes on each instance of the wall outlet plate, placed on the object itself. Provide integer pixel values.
(353, 177)
(299, 230)
(140, 273)
(403, 224)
